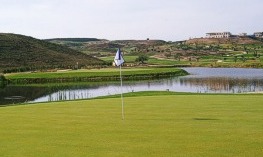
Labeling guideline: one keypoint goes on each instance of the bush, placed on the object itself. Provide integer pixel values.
(142, 58)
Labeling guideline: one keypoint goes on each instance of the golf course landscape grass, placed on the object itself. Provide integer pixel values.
(92, 75)
(160, 125)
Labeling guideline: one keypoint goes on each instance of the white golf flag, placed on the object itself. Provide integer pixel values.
(118, 58)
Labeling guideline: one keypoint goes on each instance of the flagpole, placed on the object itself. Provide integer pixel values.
(122, 106)
(118, 60)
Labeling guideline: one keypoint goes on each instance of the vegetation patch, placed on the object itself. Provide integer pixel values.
(3, 81)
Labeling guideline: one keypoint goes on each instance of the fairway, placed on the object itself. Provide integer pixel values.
(155, 126)
(92, 75)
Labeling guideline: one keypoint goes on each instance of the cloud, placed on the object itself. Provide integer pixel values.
(129, 19)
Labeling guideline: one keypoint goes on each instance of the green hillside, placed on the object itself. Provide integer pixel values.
(72, 39)
(102, 47)
(23, 53)
(205, 52)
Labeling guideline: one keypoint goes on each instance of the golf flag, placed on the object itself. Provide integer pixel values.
(118, 60)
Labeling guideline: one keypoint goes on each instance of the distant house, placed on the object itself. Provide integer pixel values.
(258, 34)
(242, 34)
(218, 35)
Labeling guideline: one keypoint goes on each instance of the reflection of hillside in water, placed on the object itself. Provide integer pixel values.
(21, 94)
(223, 84)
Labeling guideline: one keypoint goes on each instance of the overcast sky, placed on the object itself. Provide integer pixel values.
(170, 20)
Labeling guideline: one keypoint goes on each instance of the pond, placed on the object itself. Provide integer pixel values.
(201, 80)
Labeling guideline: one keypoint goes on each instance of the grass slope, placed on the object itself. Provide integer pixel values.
(21, 53)
(163, 125)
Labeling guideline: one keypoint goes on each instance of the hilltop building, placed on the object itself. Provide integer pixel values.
(228, 34)
(218, 35)
(258, 34)
(242, 34)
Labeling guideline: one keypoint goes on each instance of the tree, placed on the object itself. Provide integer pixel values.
(197, 59)
(235, 59)
(185, 48)
(243, 58)
(142, 58)
(259, 57)
(177, 56)
(2, 81)
(167, 55)
(245, 49)
(255, 53)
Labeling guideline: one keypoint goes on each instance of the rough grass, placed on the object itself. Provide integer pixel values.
(154, 126)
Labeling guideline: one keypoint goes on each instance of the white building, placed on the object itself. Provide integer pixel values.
(218, 35)
(242, 34)
(258, 34)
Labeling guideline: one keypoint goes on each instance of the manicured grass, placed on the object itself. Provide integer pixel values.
(91, 73)
(97, 75)
(154, 126)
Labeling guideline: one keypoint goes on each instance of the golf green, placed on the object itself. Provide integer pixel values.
(154, 126)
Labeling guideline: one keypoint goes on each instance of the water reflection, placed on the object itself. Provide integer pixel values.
(20, 94)
(222, 84)
(203, 80)
(179, 84)
(224, 80)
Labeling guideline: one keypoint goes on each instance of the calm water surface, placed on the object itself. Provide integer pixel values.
(201, 80)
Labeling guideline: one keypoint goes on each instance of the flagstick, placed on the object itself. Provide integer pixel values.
(121, 97)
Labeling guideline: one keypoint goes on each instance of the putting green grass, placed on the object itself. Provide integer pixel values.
(154, 126)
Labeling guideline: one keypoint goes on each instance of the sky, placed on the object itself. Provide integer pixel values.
(170, 20)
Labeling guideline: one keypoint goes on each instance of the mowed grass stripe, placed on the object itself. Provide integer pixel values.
(170, 125)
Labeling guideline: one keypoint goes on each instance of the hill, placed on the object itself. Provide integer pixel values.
(235, 51)
(99, 47)
(102, 48)
(23, 53)
(72, 39)
(231, 40)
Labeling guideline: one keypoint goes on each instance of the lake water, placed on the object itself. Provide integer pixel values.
(201, 80)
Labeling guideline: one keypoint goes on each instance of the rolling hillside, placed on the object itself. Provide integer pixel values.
(231, 52)
(232, 40)
(23, 53)
(73, 39)
(101, 46)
